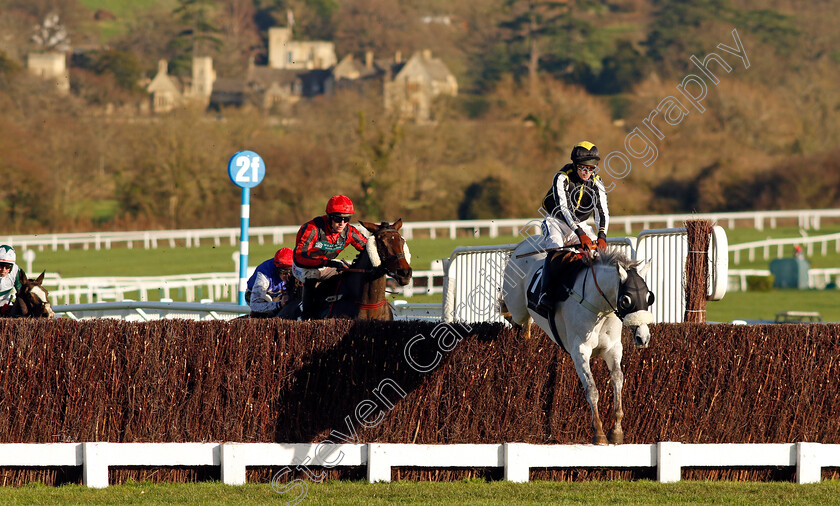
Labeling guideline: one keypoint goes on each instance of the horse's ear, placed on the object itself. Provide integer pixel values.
(645, 267)
(23, 276)
(40, 278)
(397, 224)
(622, 273)
(371, 227)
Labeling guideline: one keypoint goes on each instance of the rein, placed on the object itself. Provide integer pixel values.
(595, 279)
(381, 270)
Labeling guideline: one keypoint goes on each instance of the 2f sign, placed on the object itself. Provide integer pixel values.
(246, 169)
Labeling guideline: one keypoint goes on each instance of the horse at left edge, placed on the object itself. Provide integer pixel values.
(32, 299)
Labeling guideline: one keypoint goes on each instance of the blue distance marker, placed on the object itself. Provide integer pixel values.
(246, 169)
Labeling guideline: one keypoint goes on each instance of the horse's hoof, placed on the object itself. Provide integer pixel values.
(600, 439)
(616, 437)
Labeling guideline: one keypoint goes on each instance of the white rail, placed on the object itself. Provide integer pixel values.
(516, 458)
(146, 311)
(779, 244)
(217, 286)
(817, 278)
(807, 219)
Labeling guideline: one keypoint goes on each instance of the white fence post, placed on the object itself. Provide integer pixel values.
(233, 466)
(668, 462)
(95, 465)
(516, 463)
(808, 464)
(378, 465)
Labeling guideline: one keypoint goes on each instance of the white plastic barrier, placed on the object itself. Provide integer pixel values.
(516, 458)
(147, 311)
(475, 274)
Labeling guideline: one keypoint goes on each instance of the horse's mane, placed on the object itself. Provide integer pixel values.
(616, 257)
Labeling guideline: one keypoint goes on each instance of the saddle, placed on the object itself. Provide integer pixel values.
(564, 268)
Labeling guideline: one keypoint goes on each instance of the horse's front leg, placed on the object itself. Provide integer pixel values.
(581, 359)
(613, 360)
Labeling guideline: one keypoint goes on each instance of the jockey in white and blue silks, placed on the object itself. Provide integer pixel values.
(9, 277)
(576, 194)
(271, 287)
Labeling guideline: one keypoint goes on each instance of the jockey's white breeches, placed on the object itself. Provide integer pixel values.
(557, 234)
(319, 273)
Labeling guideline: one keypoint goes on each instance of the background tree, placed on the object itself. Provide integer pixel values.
(679, 28)
(238, 35)
(199, 35)
(619, 71)
(377, 143)
(531, 24)
(381, 26)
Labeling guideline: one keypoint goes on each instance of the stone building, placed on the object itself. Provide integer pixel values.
(51, 66)
(285, 53)
(416, 84)
(164, 90)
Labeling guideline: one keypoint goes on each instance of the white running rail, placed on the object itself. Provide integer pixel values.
(148, 311)
(516, 458)
(806, 219)
(778, 245)
(218, 286)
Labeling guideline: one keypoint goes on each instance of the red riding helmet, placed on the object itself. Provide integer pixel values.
(340, 204)
(283, 257)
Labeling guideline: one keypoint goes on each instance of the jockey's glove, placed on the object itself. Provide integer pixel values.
(336, 264)
(602, 241)
(586, 242)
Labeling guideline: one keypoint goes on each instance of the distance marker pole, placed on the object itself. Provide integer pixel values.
(243, 243)
(246, 169)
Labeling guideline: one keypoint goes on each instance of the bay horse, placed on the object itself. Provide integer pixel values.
(609, 292)
(32, 299)
(359, 292)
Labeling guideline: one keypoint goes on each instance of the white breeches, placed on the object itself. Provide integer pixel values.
(557, 234)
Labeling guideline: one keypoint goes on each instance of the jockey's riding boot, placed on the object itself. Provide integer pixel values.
(308, 303)
(546, 303)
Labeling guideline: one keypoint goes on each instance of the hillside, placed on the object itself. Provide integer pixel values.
(765, 136)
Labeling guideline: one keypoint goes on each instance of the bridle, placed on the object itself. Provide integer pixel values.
(381, 269)
(390, 259)
(629, 292)
(27, 302)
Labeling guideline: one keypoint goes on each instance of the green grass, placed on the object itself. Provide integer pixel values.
(455, 493)
(124, 11)
(765, 305)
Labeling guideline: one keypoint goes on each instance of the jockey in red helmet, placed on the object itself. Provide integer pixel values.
(319, 241)
(272, 290)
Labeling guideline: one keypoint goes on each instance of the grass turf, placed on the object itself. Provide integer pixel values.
(425, 493)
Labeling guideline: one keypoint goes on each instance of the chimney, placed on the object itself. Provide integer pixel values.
(427, 54)
(368, 59)
(398, 56)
